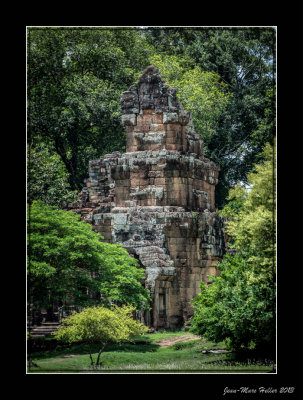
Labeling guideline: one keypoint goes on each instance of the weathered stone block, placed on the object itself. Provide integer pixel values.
(129, 119)
(169, 117)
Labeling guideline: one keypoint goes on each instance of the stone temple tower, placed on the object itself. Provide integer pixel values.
(157, 199)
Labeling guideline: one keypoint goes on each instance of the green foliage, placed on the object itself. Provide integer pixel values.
(239, 305)
(266, 129)
(47, 177)
(199, 91)
(236, 307)
(102, 325)
(68, 263)
(235, 199)
(253, 226)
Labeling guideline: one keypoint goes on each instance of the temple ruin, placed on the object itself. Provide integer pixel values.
(157, 199)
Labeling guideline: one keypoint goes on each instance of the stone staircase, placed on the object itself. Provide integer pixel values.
(43, 330)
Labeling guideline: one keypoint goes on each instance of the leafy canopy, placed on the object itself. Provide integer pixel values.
(47, 177)
(68, 263)
(200, 92)
(252, 228)
(100, 325)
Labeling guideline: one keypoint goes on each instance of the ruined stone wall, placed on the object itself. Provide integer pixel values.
(157, 199)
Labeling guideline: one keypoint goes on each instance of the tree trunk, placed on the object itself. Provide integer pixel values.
(99, 354)
(69, 164)
(90, 354)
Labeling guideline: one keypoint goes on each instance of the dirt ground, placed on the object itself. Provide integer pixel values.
(171, 341)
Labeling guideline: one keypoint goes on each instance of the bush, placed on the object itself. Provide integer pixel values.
(235, 307)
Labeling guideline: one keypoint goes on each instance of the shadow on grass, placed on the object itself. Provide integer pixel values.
(132, 347)
(83, 348)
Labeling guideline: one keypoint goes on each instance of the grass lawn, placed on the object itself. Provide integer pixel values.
(147, 355)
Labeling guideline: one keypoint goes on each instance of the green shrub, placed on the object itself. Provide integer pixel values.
(100, 325)
(235, 308)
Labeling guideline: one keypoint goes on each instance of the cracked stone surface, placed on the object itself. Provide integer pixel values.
(157, 199)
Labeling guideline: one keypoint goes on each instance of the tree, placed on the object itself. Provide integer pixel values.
(68, 264)
(75, 79)
(200, 92)
(240, 304)
(244, 59)
(100, 325)
(253, 227)
(47, 177)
